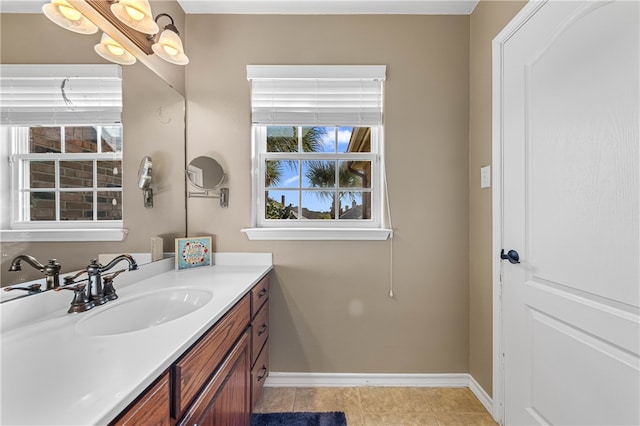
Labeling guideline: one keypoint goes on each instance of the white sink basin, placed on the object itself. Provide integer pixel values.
(144, 311)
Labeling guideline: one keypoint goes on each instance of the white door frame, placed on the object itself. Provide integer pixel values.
(512, 27)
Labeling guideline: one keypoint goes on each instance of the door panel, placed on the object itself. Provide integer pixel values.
(582, 159)
(575, 381)
(571, 209)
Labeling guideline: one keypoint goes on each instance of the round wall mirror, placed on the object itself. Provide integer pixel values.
(205, 173)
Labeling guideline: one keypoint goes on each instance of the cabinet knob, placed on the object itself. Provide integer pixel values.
(263, 373)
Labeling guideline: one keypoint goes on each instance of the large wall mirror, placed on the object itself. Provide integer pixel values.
(153, 125)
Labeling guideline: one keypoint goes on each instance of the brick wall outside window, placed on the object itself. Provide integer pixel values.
(74, 205)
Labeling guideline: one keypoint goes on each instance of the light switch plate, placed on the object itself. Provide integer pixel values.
(485, 177)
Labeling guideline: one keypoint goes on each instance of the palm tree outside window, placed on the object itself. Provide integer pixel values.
(318, 173)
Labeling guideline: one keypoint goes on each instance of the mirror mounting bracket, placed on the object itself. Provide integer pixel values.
(206, 174)
(148, 197)
(223, 195)
(144, 180)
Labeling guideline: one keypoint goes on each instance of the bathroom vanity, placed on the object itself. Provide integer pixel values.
(205, 364)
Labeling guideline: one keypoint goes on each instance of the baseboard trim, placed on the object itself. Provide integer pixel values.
(276, 379)
(457, 380)
(481, 394)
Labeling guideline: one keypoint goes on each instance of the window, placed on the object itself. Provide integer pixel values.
(62, 160)
(67, 177)
(318, 165)
(322, 174)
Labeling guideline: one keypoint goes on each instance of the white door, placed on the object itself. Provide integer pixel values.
(570, 208)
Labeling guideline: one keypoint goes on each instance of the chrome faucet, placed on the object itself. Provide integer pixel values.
(97, 290)
(51, 270)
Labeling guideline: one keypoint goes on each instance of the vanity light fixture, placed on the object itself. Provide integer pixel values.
(135, 14)
(63, 14)
(131, 18)
(112, 51)
(168, 45)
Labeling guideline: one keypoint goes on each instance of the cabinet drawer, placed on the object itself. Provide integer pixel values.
(195, 368)
(259, 331)
(259, 374)
(259, 294)
(151, 409)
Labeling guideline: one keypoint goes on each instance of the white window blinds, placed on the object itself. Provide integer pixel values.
(316, 95)
(50, 95)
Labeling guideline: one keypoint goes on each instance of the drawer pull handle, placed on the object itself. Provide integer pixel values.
(262, 329)
(263, 373)
(262, 292)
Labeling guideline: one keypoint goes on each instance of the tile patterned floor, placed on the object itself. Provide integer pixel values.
(382, 406)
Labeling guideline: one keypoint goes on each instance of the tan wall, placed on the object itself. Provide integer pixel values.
(153, 119)
(330, 310)
(487, 20)
(330, 306)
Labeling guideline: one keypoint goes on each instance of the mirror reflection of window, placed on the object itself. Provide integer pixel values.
(196, 175)
(60, 190)
(205, 173)
(64, 124)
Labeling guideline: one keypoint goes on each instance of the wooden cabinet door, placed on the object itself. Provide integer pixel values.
(229, 407)
(194, 369)
(152, 408)
(225, 401)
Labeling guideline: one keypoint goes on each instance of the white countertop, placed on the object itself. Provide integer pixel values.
(52, 375)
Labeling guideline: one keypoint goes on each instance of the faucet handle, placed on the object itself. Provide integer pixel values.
(107, 285)
(32, 289)
(72, 279)
(113, 274)
(52, 267)
(52, 271)
(109, 290)
(80, 302)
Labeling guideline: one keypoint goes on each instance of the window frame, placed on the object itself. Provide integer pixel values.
(305, 95)
(317, 229)
(18, 229)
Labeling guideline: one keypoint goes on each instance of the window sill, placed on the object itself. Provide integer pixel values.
(83, 234)
(318, 234)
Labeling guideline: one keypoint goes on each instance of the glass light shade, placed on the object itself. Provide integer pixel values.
(112, 51)
(136, 14)
(169, 47)
(63, 14)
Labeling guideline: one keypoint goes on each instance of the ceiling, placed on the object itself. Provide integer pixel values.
(297, 7)
(325, 7)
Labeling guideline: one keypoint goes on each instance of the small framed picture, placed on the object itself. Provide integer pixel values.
(193, 252)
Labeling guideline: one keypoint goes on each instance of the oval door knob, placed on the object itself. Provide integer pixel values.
(512, 256)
